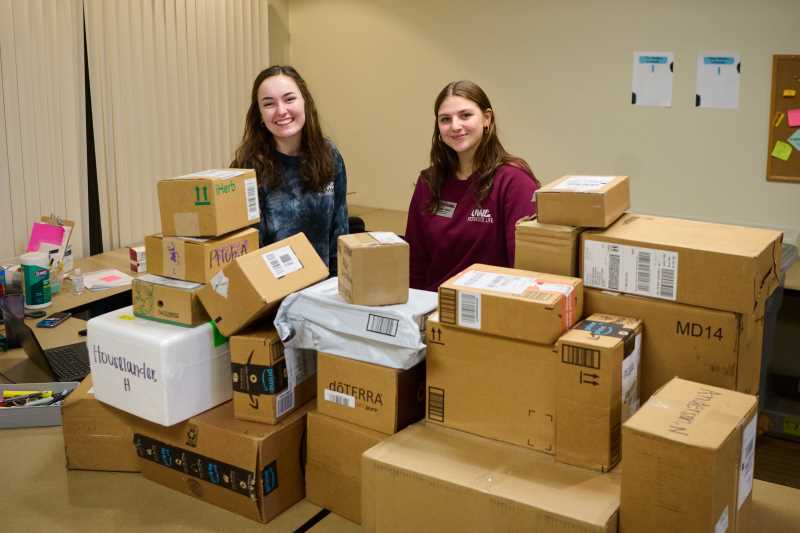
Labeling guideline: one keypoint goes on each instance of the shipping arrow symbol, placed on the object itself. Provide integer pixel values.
(585, 378)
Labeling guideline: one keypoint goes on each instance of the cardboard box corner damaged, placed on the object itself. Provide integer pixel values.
(250, 469)
(583, 201)
(168, 300)
(704, 438)
(507, 302)
(208, 203)
(254, 284)
(373, 268)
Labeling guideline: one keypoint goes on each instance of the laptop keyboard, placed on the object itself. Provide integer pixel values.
(69, 361)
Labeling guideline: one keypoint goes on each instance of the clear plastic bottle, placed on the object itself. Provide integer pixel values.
(77, 281)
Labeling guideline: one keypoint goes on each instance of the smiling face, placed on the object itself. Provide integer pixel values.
(282, 110)
(461, 124)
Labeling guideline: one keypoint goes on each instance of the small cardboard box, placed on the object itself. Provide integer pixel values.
(546, 248)
(254, 284)
(518, 304)
(376, 397)
(35, 415)
(262, 387)
(430, 478)
(585, 201)
(597, 389)
(160, 372)
(689, 456)
(138, 258)
(97, 436)
(209, 203)
(250, 469)
(196, 260)
(732, 268)
(718, 348)
(373, 268)
(333, 470)
(495, 387)
(168, 300)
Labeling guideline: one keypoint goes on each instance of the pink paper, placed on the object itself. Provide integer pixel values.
(112, 277)
(44, 233)
(793, 117)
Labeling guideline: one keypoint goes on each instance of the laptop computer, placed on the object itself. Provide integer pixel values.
(65, 363)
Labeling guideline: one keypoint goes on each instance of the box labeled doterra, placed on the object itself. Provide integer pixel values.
(597, 388)
(373, 268)
(209, 203)
(196, 259)
(518, 304)
(583, 201)
(168, 300)
(546, 247)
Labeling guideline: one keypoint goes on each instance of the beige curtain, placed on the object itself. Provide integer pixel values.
(42, 119)
(170, 83)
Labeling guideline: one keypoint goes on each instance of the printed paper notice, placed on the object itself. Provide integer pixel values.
(282, 261)
(631, 269)
(747, 465)
(718, 76)
(652, 79)
(583, 183)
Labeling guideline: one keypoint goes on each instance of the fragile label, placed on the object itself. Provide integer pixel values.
(251, 196)
(469, 310)
(345, 400)
(282, 261)
(630, 380)
(747, 464)
(631, 269)
(169, 282)
(476, 279)
(583, 183)
(386, 237)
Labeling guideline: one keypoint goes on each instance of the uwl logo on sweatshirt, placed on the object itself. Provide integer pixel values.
(482, 215)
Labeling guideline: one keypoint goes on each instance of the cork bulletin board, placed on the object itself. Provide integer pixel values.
(783, 157)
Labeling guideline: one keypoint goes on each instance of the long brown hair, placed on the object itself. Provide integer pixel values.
(489, 155)
(258, 149)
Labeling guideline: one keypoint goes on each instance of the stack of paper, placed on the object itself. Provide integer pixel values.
(106, 279)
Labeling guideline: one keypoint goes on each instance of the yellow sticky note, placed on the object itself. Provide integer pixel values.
(782, 151)
(789, 93)
(778, 119)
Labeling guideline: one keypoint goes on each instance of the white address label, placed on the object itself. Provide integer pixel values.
(476, 279)
(282, 261)
(469, 310)
(583, 183)
(631, 269)
(747, 465)
(251, 197)
(345, 400)
(630, 380)
(386, 237)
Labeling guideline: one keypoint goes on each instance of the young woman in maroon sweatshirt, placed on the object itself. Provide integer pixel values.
(465, 205)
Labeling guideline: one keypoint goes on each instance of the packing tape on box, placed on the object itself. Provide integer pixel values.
(173, 252)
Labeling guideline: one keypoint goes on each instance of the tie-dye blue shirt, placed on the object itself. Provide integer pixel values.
(290, 209)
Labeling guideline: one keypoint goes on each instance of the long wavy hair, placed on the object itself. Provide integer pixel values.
(489, 155)
(258, 149)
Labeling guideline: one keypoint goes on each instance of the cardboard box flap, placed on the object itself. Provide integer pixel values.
(263, 338)
(531, 228)
(692, 413)
(591, 185)
(505, 471)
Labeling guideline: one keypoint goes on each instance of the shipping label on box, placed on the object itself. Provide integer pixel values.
(546, 247)
(717, 266)
(583, 201)
(208, 203)
(168, 300)
(160, 372)
(491, 386)
(373, 268)
(597, 389)
(698, 442)
(512, 303)
(194, 259)
(254, 470)
(376, 397)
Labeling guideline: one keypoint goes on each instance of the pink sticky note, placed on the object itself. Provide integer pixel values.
(793, 117)
(44, 233)
(109, 278)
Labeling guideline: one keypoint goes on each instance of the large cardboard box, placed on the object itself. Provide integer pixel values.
(263, 389)
(731, 268)
(254, 470)
(587, 201)
(252, 285)
(518, 304)
(168, 300)
(374, 396)
(208, 203)
(546, 247)
(96, 436)
(373, 268)
(597, 389)
(196, 260)
(718, 348)
(333, 470)
(495, 387)
(160, 372)
(429, 478)
(689, 456)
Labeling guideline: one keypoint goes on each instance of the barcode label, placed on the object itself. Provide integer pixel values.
(575, 355)
(282, 261)
(747, 465)
(383, 325)
(469, 310)
(338, 398)
(631, 269)
(251, 195)
(436, 404)
(285, 402)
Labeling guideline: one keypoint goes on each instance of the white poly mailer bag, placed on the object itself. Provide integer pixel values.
(317, 318)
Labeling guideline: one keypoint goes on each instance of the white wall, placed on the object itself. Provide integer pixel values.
(559, 76)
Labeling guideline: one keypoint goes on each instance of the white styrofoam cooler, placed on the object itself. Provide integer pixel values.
(160, 372)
